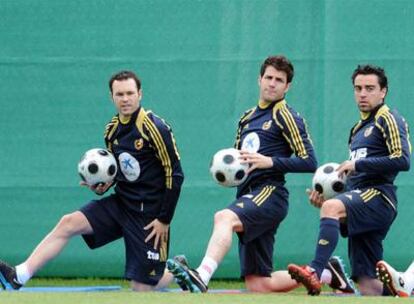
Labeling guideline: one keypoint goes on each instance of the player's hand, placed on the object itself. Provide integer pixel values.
(347, 167)
(315, 198)
(99, 188)
(255, 160)
(159, 231)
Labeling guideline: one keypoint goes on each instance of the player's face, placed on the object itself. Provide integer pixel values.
(273, 85)
(126, 96)
(368, 93)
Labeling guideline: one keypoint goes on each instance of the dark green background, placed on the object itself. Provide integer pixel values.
(199, 62)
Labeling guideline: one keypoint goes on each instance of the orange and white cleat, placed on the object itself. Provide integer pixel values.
(392, 279)
(307, 276)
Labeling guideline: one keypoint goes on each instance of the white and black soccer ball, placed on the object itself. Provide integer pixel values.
(226, 168)
(97, 166)
(327, 182)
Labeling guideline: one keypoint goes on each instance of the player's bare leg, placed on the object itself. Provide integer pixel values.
(279, 281)
(225, 223)
(69, 225)
(164, 282)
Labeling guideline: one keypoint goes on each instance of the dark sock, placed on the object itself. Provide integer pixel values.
(327, 240)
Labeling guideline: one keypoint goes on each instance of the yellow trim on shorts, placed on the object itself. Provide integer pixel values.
(263, 195)
(369, 194)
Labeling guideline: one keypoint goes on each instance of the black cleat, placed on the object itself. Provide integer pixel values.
(183, 260)
(340, 280)
(8, 278)
(178, 266)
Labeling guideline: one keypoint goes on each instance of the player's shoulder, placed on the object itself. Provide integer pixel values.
(111, 125)
(282, 110)
(246, 114)
(387, 116)
(156, 120)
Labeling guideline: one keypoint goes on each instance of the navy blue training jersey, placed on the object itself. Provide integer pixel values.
(379, 143)
(277, 131)
(150, 175)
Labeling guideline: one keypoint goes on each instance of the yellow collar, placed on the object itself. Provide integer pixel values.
(264, 105)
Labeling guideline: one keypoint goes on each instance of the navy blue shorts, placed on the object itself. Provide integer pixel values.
(260, 211)
(369, 217)
(111, 220)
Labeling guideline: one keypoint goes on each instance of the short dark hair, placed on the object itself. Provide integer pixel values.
(124, 75)
(280, 63)
(369, 69)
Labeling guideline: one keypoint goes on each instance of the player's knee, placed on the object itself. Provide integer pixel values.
(332, 208)
(68, 225)
(253, 284)
(221, 217)
(225, 217)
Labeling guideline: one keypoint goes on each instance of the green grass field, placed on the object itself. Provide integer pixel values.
(127, 296)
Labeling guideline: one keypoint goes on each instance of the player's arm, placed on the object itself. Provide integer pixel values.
(396, 134)
(163, 141)
(296, 134)
(242, 122)
(110, 128)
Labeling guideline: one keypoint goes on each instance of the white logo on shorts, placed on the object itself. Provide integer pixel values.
(153, 255)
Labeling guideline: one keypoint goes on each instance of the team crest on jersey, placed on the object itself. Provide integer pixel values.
(251, 142)
(267, 125)
(129, 166)
(139, 143)
(368, 131)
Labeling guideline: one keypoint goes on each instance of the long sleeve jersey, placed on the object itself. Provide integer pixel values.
(379, 144)
(279, 132)
(149, 178)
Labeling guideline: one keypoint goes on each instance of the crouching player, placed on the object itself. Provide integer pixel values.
(147, 188)
(379, 150)
(274, 141)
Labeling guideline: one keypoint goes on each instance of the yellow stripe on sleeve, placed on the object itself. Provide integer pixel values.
(395, 140)
(294, 131)
(161, 149)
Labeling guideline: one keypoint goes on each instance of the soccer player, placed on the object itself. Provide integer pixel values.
(379, 150)
(399, 284)
(147, 188)
(274, 140)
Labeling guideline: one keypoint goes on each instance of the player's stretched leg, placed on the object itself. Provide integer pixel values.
(309, 275)
(70, 225)
(196, 280)
(280, 281)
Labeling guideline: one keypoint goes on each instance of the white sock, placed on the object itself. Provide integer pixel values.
(206, 269)
(22, 273)
(326, 276)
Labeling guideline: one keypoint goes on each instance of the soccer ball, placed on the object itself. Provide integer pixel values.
(327, 182)
(226, 168)
(97, 166)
